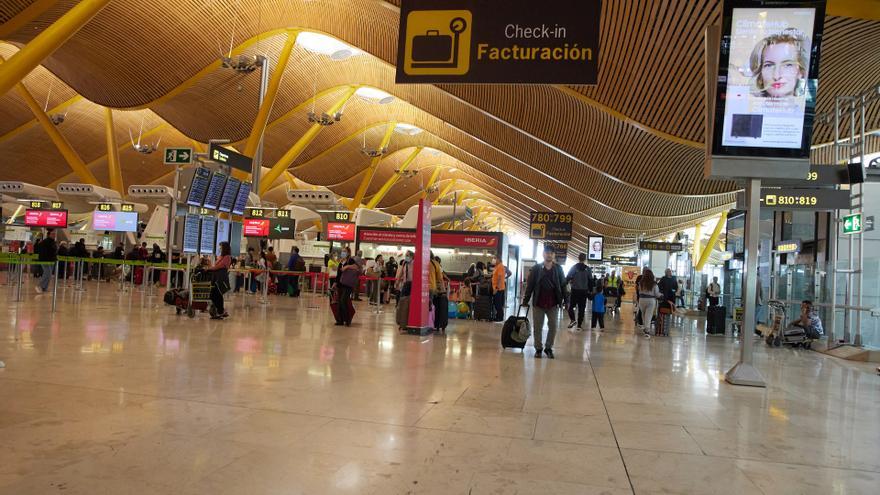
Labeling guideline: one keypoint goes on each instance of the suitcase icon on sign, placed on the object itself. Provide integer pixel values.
(433, 50)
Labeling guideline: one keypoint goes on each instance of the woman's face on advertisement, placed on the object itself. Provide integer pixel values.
(780, 70)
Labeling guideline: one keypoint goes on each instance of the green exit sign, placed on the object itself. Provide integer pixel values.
(852, 224)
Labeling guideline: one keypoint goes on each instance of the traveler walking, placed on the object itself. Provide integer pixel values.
(580, 276)
(598, 308)
(713, 292)
(547, 284)
(648, 294)
(47, 250)
(220, 280)
(499, 287)
(348, 279)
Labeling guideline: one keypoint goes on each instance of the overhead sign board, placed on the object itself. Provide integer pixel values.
(852, 224)
(786, 247)
(560, 251)
(624, 260)
(820, 175)
(115, 221)
(802, 199)
(474, 41)
(282, 213)
(550, 226)
(234, 159)
(341, 216)
(178, 156)
(282, 228)
(673, 247)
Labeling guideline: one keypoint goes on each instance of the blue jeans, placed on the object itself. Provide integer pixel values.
(46, 277)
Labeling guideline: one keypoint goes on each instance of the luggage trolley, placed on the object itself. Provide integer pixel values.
(198, 298)
(780, 332)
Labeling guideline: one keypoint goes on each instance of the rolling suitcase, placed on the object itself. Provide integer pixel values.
(483, 308)
(516, 331)
(441, 312)
(334, 306)
(715, 320)
(402, 312)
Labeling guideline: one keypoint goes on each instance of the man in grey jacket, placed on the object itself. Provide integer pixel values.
(581, 279)
(547, 284)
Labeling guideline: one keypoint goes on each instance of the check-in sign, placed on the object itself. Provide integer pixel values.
(515, 41)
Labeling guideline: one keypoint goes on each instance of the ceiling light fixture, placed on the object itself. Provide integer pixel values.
(144, 149)
(325, 45)
(372, 153)
(244, 63)
(374, 95)
(408, 129)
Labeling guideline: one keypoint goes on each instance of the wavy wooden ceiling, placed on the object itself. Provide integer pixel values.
(625, 155)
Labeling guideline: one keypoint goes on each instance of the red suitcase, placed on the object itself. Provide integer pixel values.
(334, 306)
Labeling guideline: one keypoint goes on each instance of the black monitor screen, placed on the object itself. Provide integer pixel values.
(230, 192)
(215, 191)
(242, 198)
(199, 187)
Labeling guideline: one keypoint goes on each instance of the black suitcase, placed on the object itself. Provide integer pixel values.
(441, 312)
(483, 307)
(715, 320)
(512, 325)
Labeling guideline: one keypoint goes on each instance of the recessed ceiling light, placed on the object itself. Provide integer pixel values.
(326, 45)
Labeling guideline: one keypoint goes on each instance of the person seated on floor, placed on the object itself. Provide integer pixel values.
(809, 320)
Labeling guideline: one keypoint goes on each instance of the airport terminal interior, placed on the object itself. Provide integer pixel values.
(439, 247)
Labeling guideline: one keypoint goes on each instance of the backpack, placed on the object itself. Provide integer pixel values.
(582, 278)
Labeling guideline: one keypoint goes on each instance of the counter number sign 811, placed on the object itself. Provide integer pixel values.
(550, 226)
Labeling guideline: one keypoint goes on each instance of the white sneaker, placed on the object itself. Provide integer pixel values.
(39, 290)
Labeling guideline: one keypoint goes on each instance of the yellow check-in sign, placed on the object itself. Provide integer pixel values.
(438, 42)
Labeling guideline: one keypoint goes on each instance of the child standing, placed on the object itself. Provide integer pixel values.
(599, 307)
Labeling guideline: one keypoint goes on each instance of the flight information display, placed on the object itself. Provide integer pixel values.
(208, 236)
(215, 191)
(224, 228)
(230, 192)
(242, 198)
(115, 221)
(191, 226)
(198, 189)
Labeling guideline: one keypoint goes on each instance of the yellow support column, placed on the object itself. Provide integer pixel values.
(45, 43)
(712, 241)
(380, 195)
(310, 135)
(259, 127)
(371, 170)
(23, 18)
(445, 191)
(291, 180)
(76, 163)
(698, 239)
(431, 181)
(113, 165)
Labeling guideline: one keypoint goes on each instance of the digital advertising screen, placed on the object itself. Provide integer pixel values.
(215, 191)
(595, 246)
(208, 231)
(340, 231)
(241, 198)
(224, 229)
(46, 218)
(282, 228)
(256, 227)
(767, 78)
(235, 238)
(198, 189)
(230, 192)
(115, 221)
(191, 225)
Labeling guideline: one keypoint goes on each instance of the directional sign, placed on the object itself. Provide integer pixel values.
(819, 176)
(800, 199)
(234, 159)
(560, 251)
(674, 247)
(178, 156)
(869, 223)
(550, 226)
(852, 224)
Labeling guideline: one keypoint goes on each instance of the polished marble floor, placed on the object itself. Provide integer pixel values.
(114, 394)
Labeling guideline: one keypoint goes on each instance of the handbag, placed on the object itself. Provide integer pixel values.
(349, 278)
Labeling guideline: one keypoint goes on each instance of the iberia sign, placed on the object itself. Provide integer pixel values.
(515, 41)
